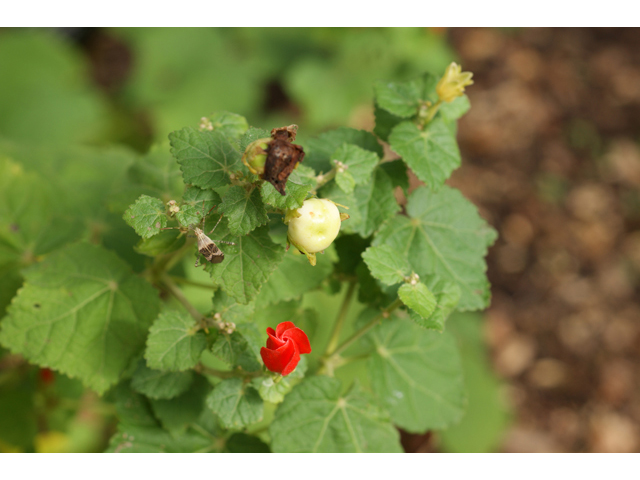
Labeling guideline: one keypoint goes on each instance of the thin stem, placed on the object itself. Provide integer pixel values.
(342, 315)
(349, 341)
(322, 179)
(176, 292)
(228, 373)
(185, 281)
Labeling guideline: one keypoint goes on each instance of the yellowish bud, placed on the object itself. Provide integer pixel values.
(452, 84)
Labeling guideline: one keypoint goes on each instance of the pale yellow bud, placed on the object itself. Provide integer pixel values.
(452, 84)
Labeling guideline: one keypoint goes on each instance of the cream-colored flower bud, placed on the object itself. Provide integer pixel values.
(452, 84)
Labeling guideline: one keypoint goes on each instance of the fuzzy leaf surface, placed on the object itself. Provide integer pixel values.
(417, 375)
(174, 343)
(236, 404)
(385, 264)
(205, 158)
(247, 264)
(81, 302)
(447, 296)
(196, 203)
(370, 204)
(359, 162)
(177, 413)
(418, 298)
(444, 236)
(299, 184)
(401, 98)
(160, 385)
(241, 348)
(244, 210)
(229, 124)
(322, 147)
(431, 153)
(314, 417)
(146, 216)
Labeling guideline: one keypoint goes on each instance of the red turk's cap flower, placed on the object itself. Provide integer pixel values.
(284, 347)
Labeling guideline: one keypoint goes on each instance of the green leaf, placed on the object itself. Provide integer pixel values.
(386, 264)
(241, 348)
(321, 148)
(32, 217)
(158, 172)
(139, 439)
(432, 153)
(196, 203)
(315, 417)
(345, 181)
(174, 342)
(160, 385)
(447, 296)
(133, 408)
(487, 416)
(417, 375)
(359, 162)
(81, 302)
(419, 299)
(237, 404)
(229, 124)
(451, 111)
(247, 265)
(243, 443)
(446, 237)
(177, 413)
(205, 158)
(397, 171)
(385, 122)
(275, 392)
(401, 99)
(251, 136)
(370, 204)
(230, 310)
(166, 241)
(299, 184)
(46, 95)
(146, 216)
(243, 209)
(293, 277)
(18, 424)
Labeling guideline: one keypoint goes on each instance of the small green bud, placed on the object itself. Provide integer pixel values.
(255, 155)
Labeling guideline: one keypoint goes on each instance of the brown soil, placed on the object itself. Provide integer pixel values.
(551, 158)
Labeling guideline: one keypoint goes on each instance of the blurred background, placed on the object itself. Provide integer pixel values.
(550, 157)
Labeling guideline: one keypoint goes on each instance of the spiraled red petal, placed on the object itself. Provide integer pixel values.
(293, 363)
(300, 338)
(273, 342)
(283, 327)
(279, 359)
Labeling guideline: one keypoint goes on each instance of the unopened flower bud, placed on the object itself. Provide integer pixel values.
(255, 155)
(452, 84)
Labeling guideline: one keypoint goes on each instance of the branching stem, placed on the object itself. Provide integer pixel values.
(342, 315)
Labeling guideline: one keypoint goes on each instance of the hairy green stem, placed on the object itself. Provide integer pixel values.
(176, 292)
(323, 179)
(192, 283)
(342, 315)
(349, 341)
(224, 374)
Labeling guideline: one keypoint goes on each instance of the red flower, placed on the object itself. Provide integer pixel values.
(284, 347)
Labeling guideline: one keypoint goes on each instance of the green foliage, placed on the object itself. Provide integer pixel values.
(432, 153)
(205, 158)
(417, 375)
(81, 302)
(236, 404)
(243, 210)
(97, 248)
(175, 343)
(247, 265)
(146, 216)
(315, 417)
(158, 384)
(425, 239)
